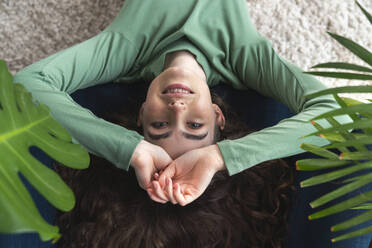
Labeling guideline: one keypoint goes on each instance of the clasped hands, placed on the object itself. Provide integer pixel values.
(179, 181)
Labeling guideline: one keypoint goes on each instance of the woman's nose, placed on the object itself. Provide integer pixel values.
(177, 105)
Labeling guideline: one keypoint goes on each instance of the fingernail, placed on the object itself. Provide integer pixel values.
(167, 181)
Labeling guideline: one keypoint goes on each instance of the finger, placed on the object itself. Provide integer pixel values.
(189, 199)
(158, 191)
(178, 195)
(156, 176)
(190, 196)
(168, 172)
(153, 197)
(169, 187)
(156, 199)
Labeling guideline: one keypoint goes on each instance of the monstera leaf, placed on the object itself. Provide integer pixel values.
(23, 124)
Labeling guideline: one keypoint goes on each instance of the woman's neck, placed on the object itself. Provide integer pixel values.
(184, 59)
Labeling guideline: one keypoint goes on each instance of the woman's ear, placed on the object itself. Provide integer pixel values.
(220, 118)
(140, 114)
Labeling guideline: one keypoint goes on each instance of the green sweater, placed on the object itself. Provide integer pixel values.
(227, 46)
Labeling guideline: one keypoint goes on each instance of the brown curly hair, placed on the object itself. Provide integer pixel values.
(249, 209)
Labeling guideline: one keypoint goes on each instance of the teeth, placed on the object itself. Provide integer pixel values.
(176, 90)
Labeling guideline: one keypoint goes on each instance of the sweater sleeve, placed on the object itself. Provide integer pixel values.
(260, 68)
(98, 60)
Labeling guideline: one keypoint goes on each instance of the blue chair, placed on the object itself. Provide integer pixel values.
(302, 233)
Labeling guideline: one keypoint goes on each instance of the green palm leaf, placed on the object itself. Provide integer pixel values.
(351, 101)
(352, 179)
(326, 177)
(357, 124)
(353, 221)
(338, 90)
(24, 124)
(363, 109)
(353, 47)
(358, 141)
(318, 164)
(319, 151)
(353, 234)
(345, 66)
(366, 206)
(363, 180)
(341, 139)
(365, 12)
(344, 75)
(342, 206)
(356, 155)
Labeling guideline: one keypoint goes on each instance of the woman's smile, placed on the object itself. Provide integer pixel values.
(178, 88)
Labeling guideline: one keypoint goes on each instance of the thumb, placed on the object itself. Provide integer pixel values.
(144, 174)
(170, 171)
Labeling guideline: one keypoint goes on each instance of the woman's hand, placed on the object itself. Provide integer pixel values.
(147, 160)
(190, 174)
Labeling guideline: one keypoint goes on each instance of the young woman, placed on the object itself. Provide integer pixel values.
(182, 48)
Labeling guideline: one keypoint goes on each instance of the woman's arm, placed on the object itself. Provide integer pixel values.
(260, 68)
(98, 60)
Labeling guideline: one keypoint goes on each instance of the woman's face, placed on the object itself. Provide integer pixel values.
(179, 121)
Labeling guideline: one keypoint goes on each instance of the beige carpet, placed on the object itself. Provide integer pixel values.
(33, 29)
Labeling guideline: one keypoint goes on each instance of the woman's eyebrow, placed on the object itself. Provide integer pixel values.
(194, 137)
(159, 136)
(186, 135)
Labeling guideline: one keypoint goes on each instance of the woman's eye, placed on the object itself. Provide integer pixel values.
(195, 125)
(160, 124)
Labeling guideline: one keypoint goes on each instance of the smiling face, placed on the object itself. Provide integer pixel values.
(179, 120)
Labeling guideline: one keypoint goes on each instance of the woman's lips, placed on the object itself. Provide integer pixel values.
(177, 86)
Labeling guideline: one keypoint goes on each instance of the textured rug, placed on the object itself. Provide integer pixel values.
(33, 29)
